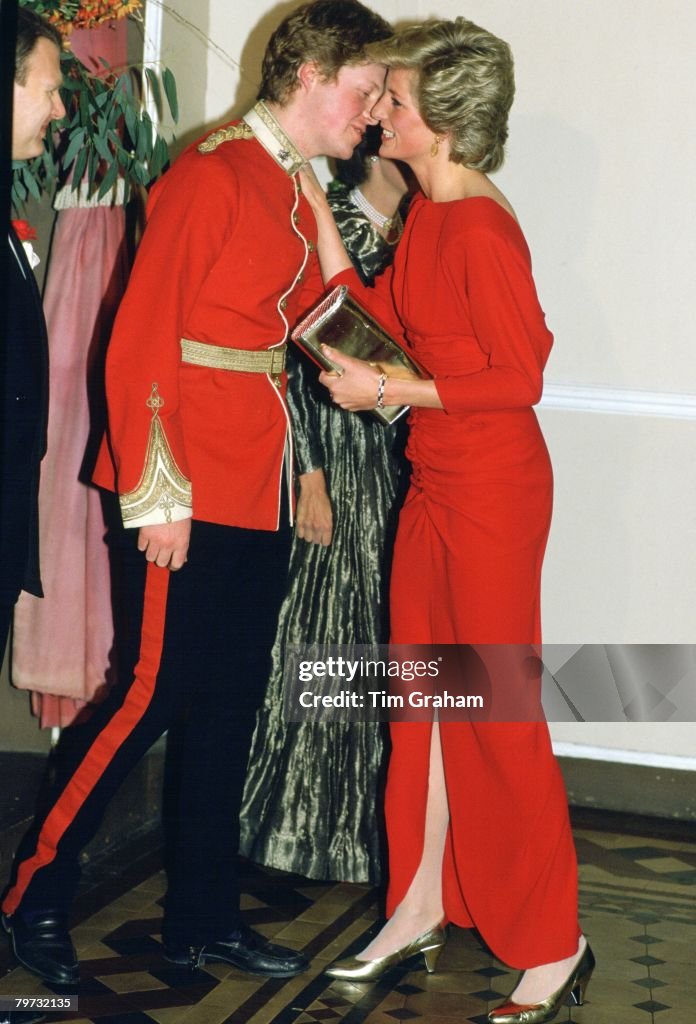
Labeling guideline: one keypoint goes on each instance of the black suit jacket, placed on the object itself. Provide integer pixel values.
(23, 420)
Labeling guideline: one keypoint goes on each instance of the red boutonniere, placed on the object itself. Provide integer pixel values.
(27, 234)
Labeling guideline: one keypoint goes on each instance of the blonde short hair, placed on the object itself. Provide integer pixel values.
(465, 85)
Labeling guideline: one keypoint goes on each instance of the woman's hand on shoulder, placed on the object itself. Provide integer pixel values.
(313, 192)
(333, 257)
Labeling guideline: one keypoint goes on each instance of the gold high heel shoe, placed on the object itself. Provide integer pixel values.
(430, 944)
(538, 1013)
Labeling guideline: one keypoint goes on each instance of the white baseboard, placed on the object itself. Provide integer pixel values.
(675, 762)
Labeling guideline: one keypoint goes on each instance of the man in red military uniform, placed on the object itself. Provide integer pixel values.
(199, 451)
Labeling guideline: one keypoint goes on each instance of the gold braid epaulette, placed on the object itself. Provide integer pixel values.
(235, 131)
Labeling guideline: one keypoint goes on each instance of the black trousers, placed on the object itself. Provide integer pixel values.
(6, 610)
(195, 658)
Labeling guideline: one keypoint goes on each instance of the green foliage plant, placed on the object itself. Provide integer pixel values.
(107, 133)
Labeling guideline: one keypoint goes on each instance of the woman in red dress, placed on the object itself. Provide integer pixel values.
(476, 813)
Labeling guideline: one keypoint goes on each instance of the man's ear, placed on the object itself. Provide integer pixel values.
(308, 74)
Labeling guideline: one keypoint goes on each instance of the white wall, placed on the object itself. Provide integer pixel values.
(600, 170)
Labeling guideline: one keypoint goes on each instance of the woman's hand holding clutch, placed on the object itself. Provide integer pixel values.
(396, 372)
(355, 389)
(360, 385)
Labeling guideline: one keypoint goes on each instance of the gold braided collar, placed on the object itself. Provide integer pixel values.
(259, 123)
(273, 139)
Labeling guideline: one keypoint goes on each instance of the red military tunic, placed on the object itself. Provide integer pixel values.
(227, 265)
(220, 265)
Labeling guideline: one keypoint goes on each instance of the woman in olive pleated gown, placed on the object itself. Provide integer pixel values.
(312, 792)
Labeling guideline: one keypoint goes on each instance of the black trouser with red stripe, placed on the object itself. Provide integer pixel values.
(195, 656)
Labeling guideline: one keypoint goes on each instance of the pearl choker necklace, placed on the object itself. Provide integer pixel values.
(365, 206)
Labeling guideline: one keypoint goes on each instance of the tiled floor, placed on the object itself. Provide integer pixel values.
(638, 908)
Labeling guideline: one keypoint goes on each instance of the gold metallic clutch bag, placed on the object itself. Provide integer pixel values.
(342, 323)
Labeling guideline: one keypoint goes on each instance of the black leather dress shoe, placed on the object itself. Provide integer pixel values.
(44, 946)
(244, 949)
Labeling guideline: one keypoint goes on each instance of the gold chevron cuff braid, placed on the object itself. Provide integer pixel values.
(163, 494)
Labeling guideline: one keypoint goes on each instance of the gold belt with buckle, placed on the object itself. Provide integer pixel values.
(244, 360)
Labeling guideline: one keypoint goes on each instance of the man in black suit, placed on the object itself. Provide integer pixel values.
(24, 351)
(23, 345)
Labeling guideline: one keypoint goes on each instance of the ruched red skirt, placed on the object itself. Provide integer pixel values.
(467, 570)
